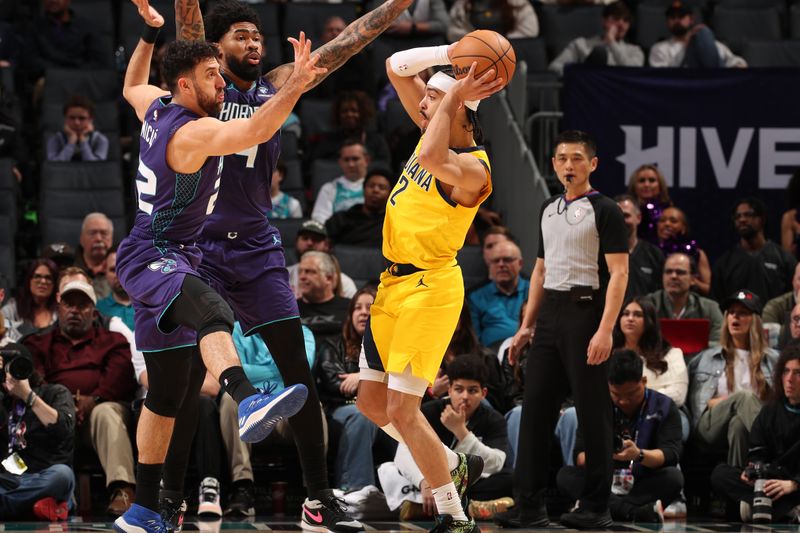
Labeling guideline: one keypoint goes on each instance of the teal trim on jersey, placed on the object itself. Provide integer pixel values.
(252, 330)
(158, 322)
(170, 348)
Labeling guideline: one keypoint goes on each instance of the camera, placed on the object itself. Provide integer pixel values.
(619, 438)
(17, 363)
(759, 473)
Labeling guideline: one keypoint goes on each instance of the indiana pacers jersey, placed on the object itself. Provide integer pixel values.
(424, 227)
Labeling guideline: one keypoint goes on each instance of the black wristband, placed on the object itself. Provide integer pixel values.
(150, 34)
(31, 398)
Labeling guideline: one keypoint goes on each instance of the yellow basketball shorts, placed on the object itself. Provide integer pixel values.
(412, 321)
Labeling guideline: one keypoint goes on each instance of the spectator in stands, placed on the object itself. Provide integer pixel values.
(260, 368)
(692, 45)
(465, 423)
(117, 303)
(356, 74)
(61, 253)
(37, 422)
(94, 364)
(283, 205)
(78, 141)
(646, 262)
(673, 236)
(647, 446)
(607, 49)
(33, 307)
(60, 38)
(320, 308)
(97, 236)
(424, 18)
(773, 441)
(348, 189)
(338, 386)
(676, 299)
(794, 327)
(495, 306)
(728, 384)
(352, 115)
(313, 236)
(493, 235)
(649, 186)
(754, 263)
(777, 310)
(513, 18)
(362, 224)
(790, 221)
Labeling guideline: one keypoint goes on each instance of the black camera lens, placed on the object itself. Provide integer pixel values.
(20, 368)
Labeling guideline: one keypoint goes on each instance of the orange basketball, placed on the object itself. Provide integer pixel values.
(489, 50)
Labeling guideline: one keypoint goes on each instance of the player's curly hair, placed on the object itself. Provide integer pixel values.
(181, 57)
(226, 13)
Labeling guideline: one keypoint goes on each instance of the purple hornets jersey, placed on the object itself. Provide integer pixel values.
(244, 197)
(171, 206)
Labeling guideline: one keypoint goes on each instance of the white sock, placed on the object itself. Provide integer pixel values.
(390, 430)
(448, 502)
(452, 458)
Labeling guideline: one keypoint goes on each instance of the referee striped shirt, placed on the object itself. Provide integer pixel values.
(575, 235)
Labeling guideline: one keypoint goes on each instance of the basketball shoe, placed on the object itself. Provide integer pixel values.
(138, 519)
(328, 515)
(259, 413)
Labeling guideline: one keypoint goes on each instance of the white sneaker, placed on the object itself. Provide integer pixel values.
(745, 512)
(209, 499)
(676, 509)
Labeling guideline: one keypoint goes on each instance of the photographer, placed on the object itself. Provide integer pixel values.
(35, 478)
(774, 452)
(647, 445)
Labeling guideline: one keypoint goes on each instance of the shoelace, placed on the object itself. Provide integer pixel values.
(268, 387)
(337, 505)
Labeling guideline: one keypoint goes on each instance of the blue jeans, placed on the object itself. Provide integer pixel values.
(565, 432)
(701, 52)
(512, 423)
(354, 465)
(57, 481)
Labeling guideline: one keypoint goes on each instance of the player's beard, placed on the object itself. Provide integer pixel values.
(211, 105)
(242, 69)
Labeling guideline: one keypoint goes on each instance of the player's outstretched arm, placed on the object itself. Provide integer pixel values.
(189, 21)
(351, 41)
(136, 90)
(205, 137)
(459, 170)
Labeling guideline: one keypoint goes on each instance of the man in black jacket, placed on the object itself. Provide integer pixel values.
(36, 478)
(774, 444)
(647, 446)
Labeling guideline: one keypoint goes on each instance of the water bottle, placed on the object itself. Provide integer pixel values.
(762, 504)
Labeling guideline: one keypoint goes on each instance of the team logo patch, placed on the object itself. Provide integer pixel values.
(262, 92)
(164, 265)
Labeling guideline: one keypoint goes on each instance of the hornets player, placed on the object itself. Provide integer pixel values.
(421, 292)
(179, 170)
(242, 252)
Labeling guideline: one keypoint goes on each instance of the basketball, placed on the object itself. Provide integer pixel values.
(489, 50)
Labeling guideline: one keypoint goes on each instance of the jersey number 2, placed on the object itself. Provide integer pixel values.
(403, 186)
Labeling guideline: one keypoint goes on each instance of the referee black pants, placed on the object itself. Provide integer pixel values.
(557, 365)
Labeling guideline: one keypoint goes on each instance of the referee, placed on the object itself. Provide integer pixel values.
(576, 292)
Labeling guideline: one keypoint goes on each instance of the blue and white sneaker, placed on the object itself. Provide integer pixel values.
(259, 413)
(138, 519)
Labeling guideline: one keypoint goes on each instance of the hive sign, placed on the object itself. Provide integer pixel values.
(777, 151)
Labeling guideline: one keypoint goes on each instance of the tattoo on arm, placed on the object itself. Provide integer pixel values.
(189, 21)
(356, 36)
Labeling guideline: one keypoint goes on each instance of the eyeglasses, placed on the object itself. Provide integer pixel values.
(44, 278)
(676, 271)
(498, 260)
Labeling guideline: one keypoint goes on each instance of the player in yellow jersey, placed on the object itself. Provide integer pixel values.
(422, 291)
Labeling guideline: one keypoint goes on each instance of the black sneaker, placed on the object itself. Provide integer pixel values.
(446, 524)
(328, 515)
(241, 502)
(172, 507)
(586, 519)
(517, 518)
(651, 513)
(467, 473)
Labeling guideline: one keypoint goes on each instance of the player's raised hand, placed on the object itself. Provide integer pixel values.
(471, 88)
(305, 63)
(148, 13)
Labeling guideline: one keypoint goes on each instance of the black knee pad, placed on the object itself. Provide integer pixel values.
(168, 378)
(200, 308)
(216, 316)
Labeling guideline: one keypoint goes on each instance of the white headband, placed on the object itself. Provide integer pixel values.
(443, 82)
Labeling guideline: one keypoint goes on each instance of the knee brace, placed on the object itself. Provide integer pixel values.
(215, 316)
(168, 376)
